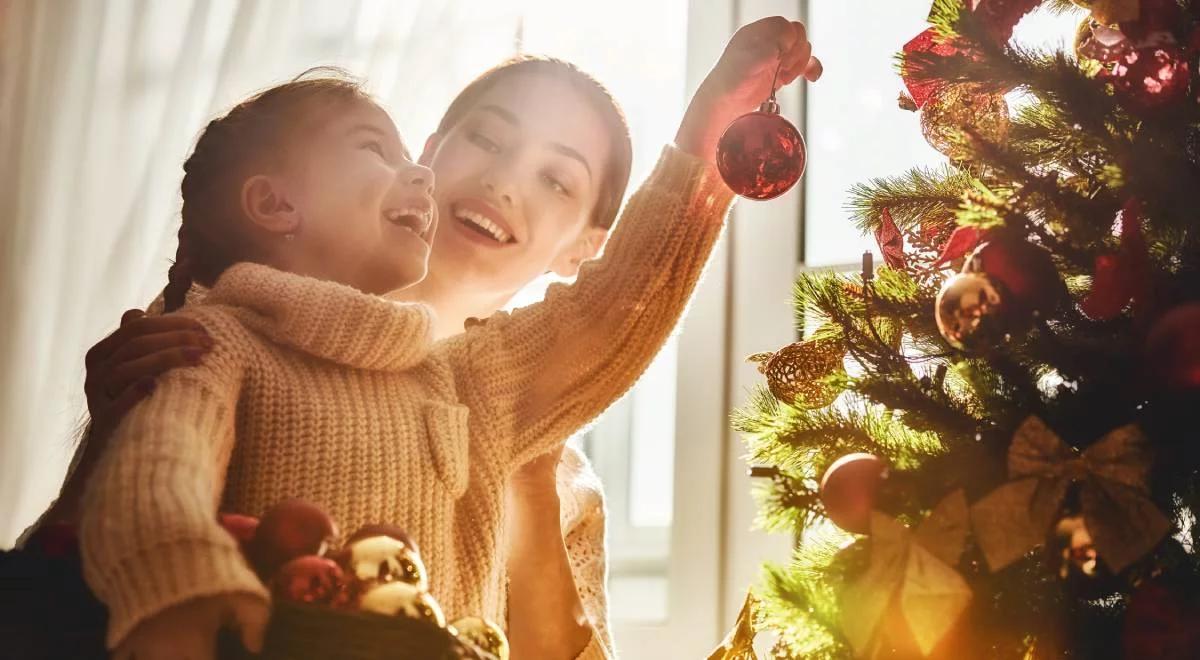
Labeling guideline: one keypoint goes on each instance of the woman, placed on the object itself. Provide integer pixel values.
(531, 160)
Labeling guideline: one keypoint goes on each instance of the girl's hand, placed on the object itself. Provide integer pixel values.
(741, 80)
(188, 631)
(121, 368)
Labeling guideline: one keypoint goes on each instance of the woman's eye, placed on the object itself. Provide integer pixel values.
(555, 185)
(485, 143)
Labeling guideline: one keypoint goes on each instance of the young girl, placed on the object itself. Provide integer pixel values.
(709, 133)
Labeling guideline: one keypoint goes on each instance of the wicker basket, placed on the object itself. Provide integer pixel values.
(308, 632)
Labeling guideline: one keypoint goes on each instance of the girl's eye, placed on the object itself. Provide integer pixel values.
(376, 147)
(556, 185)
(482, 141)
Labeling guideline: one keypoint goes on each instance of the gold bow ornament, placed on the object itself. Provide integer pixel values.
(1018, 516)
(739, 643)
(914, 570)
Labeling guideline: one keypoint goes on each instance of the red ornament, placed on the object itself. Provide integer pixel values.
(849, 488)
(291, 529)
(1156, 19)
(1124, 276)
(1162, 622)
(308, 579)
(59, 540)
(1024, 269)
(761, 155)
(890, 240)
(1173, 348)
(1151, 78)
(1001, 16)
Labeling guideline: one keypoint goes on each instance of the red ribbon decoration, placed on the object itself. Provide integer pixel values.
(962, 241)
(1123, 276)
(891, 241)
(927, 42)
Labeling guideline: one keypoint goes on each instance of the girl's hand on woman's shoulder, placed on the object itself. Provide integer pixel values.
(189, 630)
(741, 80)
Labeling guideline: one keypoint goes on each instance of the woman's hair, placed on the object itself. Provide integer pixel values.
(616, 176)
(255, 130)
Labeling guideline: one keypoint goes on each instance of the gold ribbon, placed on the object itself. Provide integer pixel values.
(1016, 517)
(919, 566)
(739, 643)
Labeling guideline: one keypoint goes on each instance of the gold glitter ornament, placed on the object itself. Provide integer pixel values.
(484, 634)
(960, 107)
(795, 373)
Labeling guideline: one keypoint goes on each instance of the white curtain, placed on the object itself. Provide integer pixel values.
(100, 103)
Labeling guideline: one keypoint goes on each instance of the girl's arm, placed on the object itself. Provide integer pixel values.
(149, 534)
(536, 375)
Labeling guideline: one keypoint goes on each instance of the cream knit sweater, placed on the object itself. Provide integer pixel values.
(315, 390)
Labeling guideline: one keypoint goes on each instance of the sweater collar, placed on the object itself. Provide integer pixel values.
(326, 319)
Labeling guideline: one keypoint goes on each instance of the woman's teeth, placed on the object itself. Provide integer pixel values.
(477, 221)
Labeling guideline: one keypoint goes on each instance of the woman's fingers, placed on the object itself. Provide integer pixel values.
(813, 70)
(132, 327)
(249, 617)
(149, 367)
(141, 346)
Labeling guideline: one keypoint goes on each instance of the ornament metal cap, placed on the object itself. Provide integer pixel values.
(770, 106)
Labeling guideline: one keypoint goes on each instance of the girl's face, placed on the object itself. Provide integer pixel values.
(518, 179)
(364, 212)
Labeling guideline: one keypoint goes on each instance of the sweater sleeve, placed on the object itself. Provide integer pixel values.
(536, 375)
(149, 532)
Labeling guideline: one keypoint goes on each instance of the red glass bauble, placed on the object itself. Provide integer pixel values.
(849, 488)
(1173, 348)
(761, 155)
(308, 579)
(1026, 271)
(1162, 620)
(290, 529)
(1151, 78)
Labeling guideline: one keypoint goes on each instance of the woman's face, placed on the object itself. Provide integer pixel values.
(517, 180)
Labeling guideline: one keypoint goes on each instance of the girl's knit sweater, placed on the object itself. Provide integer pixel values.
(318, 391)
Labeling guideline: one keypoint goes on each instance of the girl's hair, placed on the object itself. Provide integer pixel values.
(616, 177)
(254, 130)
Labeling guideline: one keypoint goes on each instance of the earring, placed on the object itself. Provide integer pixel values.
(289, 237)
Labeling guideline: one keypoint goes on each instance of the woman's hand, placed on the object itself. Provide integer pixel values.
(535, 484)
(122, 367)
(545, 615)
(741, 80)
(188, 631)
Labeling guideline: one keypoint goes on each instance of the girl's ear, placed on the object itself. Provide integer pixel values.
(431, 146)
(265, 202)
(587, 246)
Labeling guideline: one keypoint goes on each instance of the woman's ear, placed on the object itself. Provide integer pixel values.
(587, 246)
(265, 202)
(431, 146)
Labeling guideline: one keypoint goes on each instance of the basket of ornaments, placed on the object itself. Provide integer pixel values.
(365, 600)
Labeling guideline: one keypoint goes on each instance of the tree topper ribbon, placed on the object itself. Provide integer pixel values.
(917, 567)
(1016, 517)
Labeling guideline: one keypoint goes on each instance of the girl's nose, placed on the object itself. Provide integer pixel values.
(419, 176)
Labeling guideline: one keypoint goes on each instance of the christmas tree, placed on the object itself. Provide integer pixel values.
(987, 446)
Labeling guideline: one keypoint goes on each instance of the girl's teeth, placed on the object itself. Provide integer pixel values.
(487, 225)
